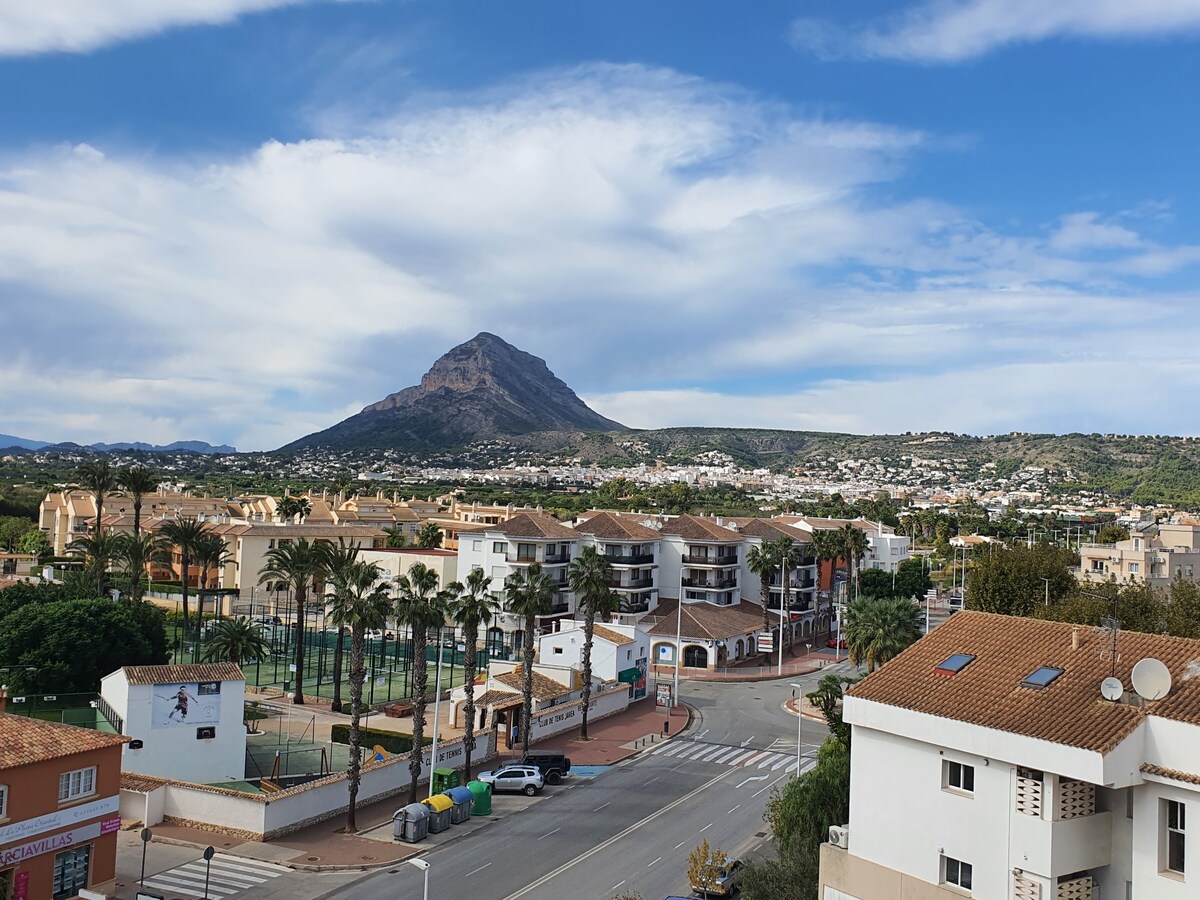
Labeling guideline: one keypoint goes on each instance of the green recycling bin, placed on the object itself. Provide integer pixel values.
(481, 805)
(443, 779)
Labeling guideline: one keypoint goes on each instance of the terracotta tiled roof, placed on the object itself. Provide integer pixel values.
(28, 740)
(498, 699)
(707, 621)
(534, 525)
(988, 692)
(543, 688)
(1173, 774)
(613, 637)
(695, 528)
(143, 784)
(608, 526)
(312, 532)
(182, 674)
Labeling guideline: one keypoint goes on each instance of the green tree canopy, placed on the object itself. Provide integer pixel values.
(1009, 580)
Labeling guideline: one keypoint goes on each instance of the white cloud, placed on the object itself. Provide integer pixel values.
(955, 30)
(40, 26)
(634, 227)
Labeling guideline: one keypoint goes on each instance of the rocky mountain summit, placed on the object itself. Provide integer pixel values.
(481, 389)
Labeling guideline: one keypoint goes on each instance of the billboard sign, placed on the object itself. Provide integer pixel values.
(189, 704)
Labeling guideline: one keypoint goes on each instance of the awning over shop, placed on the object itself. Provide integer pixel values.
(630, 676)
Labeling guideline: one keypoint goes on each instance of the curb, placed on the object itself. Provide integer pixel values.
(299, 867)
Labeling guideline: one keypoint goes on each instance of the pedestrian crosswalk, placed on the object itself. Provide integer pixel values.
(226, 875)
(723, 754)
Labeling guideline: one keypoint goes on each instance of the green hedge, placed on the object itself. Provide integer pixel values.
(391, 741)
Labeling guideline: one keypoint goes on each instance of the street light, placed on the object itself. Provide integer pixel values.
(1047, 580)
(678, 638)
(799, 725)
(424, 867)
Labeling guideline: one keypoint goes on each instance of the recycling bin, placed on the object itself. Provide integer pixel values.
(411, 823)
(440, 809)
(443, 779)
(482, 792)
(462, 799)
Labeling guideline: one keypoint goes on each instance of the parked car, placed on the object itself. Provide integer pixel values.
(834, 643)
(526, 779)
(727, 883)
(551, 764)
(267, 620)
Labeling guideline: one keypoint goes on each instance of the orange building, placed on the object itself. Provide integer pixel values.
(58, 809)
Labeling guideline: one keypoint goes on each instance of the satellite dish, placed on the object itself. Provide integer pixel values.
(1151, 679)
(1112, 689)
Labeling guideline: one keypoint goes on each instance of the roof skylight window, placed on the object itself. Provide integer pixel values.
(953, 664)
(1041, 677)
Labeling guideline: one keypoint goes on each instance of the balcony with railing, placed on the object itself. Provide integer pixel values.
(629, 559)
(631, 584)
(714, 584)
(698, 559)
(1059, 833)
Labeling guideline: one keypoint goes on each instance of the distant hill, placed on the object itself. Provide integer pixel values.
(9, 442)
(481, 389)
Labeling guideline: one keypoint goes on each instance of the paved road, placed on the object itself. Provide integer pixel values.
(630, 828)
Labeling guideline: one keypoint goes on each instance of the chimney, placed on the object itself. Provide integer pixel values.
(1074, 638)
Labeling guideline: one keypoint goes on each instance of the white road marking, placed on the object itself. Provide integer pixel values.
(747, 740)
(601, 806)
(702, 734)
(742, 758)
(648, 865)
(753, 778)
(480, 869)
(735, 809)
(768, 787)
(728, 756)
(548, 833)
(617, 885)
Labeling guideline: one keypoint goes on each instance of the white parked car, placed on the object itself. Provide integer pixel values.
(526, 779)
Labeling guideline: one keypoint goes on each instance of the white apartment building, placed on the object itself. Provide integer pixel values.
(632, 549)
(986, 762)
(510, 546)
(1154, 553)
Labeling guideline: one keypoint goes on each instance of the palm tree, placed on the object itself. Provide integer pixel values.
(183, 534)
(763, 560)
(878, 628)
(474, 606)
(362, 602)
(99, 477)
(429, 536)
(99, 551)
(590, 576)
(137, 481)
(530, 593)
(300, 563)
(344, 572)
(420, 606)
(135, 553)
(854, 546)
(237, 641)
(396, 538)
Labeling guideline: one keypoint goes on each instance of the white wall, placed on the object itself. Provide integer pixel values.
(1148, 844)
(175, 752)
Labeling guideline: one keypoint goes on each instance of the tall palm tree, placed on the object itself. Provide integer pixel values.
(211, 554)
(237, 641)
(854, 546)
(182, 534)
(98, 476)
(300, 563)
(135, 553)
(878, 628)
(763, 560)
(590, 576)
(362, 603)
(530, 593)
(789, 554)
(474, 606)
(99, 552)
(344, 572)
(420, 606)
(429, 536)
(137, 481)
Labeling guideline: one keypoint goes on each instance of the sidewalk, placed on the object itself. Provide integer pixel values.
(320, 846)
(802, 664)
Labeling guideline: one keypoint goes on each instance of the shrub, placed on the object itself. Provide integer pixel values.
(391, 741)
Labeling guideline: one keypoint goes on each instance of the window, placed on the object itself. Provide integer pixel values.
(499, 547)
(956, 872)
(1041, 677)
(1175, 836)
(558, 649)
(3, 802)
(477, 546)
(526, 551)
(71, 871)
(79, 783)
(953, 664)
(1133, 568)
(958, 777)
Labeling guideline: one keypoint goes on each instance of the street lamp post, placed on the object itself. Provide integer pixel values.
(678, 638)
(1047, 580)
(437, 704)
(799, 725)
(423, 865)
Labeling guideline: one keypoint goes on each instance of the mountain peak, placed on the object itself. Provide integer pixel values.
(482, 388)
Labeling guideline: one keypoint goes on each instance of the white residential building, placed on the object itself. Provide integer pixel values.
(985, 762)
(1156, 554)
(619, 653)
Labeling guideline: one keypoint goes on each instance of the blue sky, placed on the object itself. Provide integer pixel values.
(242, 220)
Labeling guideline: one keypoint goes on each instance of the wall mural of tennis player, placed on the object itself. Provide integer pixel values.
(193, 703)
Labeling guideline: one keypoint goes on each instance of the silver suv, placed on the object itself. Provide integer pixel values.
(526, 779)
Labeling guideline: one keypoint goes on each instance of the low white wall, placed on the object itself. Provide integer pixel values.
(565, 716)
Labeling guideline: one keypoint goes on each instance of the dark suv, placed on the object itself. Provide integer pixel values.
(553, 766)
